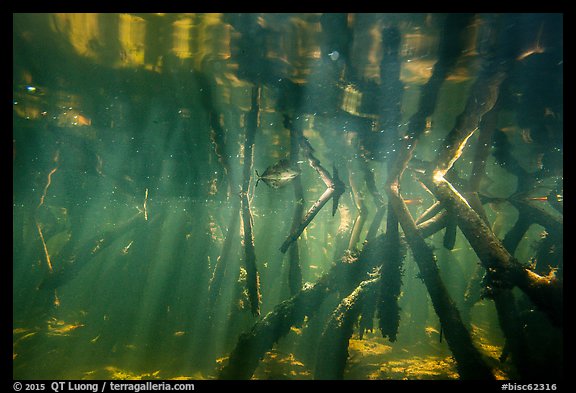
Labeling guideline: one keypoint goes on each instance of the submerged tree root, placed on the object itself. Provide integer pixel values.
(503, 269)
(469, 361)
(343, 277)
(333, 350)
(252, 276)
(252, 346)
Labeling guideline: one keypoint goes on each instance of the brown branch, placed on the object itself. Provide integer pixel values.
(535, 214)
(333, 347)
(486, 130)
(252, 346)
(450, 233)
(432, 211)
(341, 278)
(46, 253)
(433, 225)
(308, 152)
(335, 188)
(469, 361)
(391, 279)
(545, 292)
(376, 221)
(252, 277)
(217, 136)
(483, 96)
(294, 269)
(310, 214)
(377, 197)
(361, 213)
(529, 214)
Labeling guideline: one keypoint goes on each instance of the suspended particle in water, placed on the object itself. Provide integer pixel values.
(334, 55)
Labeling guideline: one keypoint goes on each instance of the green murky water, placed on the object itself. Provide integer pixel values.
(142, 248)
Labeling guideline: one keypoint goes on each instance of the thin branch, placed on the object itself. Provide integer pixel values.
(361, 213)
(252, 277)
(335, 188)
(294, 269)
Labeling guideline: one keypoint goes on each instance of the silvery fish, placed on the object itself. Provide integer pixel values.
(279, 174)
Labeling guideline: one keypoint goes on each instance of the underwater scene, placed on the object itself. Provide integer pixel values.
(287, 196)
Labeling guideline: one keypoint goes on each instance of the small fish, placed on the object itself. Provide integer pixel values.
(82, 120)
(32, 90)
(24, 337)
(56, 299)
(296, 330)
(429, 330)
(60, 328)
(278, 175)
(536, 49)
(414, 201)
(543, 198)
(334, 55)
(125, 249)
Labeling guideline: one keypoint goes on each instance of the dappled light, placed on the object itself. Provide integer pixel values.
(287, 196)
